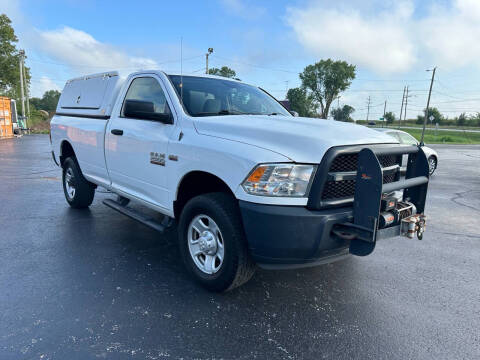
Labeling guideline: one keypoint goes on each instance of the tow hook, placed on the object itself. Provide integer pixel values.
(413, 224)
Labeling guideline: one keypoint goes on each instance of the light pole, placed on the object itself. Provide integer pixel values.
(210, 50)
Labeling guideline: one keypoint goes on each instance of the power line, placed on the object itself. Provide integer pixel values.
(257, 66)
(384, 90)
(109, 66)
(393, 80)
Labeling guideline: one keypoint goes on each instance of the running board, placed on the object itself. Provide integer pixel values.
(136, 215)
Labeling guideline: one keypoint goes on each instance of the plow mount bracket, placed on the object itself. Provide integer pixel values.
(364, 231)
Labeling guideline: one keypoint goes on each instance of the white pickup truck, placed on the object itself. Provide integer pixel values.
(247, 182)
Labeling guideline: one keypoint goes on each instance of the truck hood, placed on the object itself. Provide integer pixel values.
(302, 140)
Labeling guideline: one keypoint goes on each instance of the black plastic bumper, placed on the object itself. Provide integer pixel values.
(293, 236)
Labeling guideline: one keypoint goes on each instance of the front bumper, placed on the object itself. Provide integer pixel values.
(293, 236)
(300, 236)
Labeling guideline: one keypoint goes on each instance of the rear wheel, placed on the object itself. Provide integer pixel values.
(432, 165)
(213, 244)
(79, 192)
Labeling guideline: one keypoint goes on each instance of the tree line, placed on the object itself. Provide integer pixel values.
(437, 118)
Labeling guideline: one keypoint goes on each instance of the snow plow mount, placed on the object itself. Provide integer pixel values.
(377, 213)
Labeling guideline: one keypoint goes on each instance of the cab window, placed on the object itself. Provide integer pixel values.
(148, 89)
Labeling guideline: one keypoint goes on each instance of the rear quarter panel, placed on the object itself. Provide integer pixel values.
(87, 137)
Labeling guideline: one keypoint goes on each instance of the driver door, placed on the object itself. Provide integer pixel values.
(136, 147)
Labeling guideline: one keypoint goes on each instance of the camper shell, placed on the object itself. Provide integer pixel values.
(91, 96)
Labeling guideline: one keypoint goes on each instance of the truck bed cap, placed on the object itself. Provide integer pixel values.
(91, 95)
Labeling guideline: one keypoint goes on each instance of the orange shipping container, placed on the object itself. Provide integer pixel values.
(6, 126)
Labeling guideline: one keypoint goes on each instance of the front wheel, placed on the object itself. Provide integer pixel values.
(79, 192)
(212, 242)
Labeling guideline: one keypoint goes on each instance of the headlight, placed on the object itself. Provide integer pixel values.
(279, 180)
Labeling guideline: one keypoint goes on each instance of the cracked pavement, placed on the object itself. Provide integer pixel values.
(95, 284)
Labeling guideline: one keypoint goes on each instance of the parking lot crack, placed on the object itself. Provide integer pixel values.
(460, 195)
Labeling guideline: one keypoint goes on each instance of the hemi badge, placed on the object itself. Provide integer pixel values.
(173, 157)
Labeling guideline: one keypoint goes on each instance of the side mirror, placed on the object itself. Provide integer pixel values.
(144, 110)
(294, 113)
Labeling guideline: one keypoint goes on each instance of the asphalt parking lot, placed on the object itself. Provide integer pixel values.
(95, 284)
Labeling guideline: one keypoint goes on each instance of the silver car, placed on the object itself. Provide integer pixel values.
(407, 139)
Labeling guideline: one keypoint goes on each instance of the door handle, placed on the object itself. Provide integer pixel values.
(117, 132)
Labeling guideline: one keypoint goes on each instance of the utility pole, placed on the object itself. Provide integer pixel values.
(368, 108)
(384, 109)
(401, 109)
(22, 94)
(286, 89)
(27, 94)
(428, 104)
(406, 103)
(210, 50)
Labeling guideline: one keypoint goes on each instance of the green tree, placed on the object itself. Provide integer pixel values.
(343, 114)
(325, 80)
(224, 71)
(9, 60)
(48, 102)
(433, 111)
(475, 119)
(36, 103)
(389, 117)
(301, 102)
(462, 119)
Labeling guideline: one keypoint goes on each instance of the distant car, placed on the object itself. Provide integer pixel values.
(372, 123)
(407, 139)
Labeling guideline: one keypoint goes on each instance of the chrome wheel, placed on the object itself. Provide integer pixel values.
(432, 165)
(69, 183)
(205, 243)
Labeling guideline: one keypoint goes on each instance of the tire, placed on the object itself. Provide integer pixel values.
(237, 267)
(432, 165)
(83, 191)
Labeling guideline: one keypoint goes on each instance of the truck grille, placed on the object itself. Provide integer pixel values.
(348, 162)
(338, 189)
(345, 165)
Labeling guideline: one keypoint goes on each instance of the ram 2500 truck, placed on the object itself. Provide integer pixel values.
(246, 182)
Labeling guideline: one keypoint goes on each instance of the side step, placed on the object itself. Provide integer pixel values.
(136, 215)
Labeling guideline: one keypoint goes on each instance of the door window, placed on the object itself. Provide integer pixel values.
(148, 89)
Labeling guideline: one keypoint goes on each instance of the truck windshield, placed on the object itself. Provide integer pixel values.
(210, 97)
